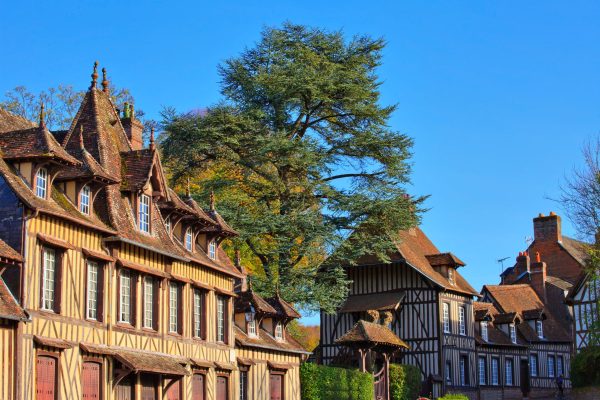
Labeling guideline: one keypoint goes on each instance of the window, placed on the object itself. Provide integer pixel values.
(252, 328)
(84, 200)
(463, 365)
(149, 302)
(451, 276)
(461, 320)
(125, 296)
(508, 371)
(533, 365)
(495, 371)
(484, 330)
(92, 289)
(49, 281)
(188, 239)
(173, 307)
(221, 321)
(446, 317)
(539, 329)
(243, 384)
(168, 225)
(279, 330)
(551, 365)
(448, 373)
(481, 362)
(513, 333)
(198, 314)
(41, 183)
(212, 249)
(559, 366)
(144, 213)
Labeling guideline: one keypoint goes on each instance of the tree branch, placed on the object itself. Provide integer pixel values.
(356, 175)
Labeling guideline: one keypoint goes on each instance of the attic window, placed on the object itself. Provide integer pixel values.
(41, 183)
(451, 276)
(168, 225)
(252, 328)
(513, 333)
(212, 249)
(84, 200)
(539, 329)
(279, 330)
(188, 239)
(144, 213)
(484, 330)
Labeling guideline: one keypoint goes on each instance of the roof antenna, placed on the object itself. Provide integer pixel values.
(501, 262)
(104, 81)
(42, 122)
(94, 76)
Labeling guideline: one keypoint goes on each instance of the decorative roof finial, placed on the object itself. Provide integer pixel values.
(42, 115)
(104, 81)
(152, 146)
(94, 76)
(277, 289)
(238, 258)
(81, 146)
(187, 190)
(212, 200)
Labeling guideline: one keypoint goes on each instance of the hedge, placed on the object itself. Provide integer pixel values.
(453, 396)
(405, 382)
(319, 382)
(584, 367)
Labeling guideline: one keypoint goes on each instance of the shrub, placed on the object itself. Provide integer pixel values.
(319, 382)
(453, 396)
(405, 382)
(584, 367)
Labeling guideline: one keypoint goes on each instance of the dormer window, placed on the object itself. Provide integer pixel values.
(144, 213)
(212, 249)
(41, 183)
(252, 328)
(168, 225)
(188, 239)
(539, 329)
(484, 330)
(84, 200)
(279, 330)
(451, 276)
(513, 333)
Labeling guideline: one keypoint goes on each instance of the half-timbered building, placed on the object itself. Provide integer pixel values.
(583, 298)
(431, 306)
(127, 288)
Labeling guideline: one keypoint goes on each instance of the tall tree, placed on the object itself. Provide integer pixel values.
(300, 154)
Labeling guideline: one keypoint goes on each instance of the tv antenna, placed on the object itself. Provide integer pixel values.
(528, 240)
(501, 262)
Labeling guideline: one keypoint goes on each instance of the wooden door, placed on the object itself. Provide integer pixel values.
(276, 387)
(149, 387)
(90, 381)
(174, 391)
(45, 383)
(222, 388)
(124, 390)
(525, 378)
(198, 387)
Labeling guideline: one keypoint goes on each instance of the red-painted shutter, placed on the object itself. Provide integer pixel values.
(198, 387)
(222, 389)
(276, 387)
(124, 390)
(45, 384)
(174, 392)
(91, 381)
(149, 387)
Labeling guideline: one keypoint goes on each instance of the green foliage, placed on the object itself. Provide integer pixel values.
(584, 367)
(300, 154)
(405, 382)
(331, 383)
(454, 396)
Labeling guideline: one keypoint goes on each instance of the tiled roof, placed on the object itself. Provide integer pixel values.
(576, 249)
(30, 143)
(265, 341)
(559, 283)
(282, 307)
(444, 259)
(369, 333)
(137, 168)
(8, 253)
(9, 308)
(482, 310)
(249, 297)
(382, 301)
(12, 122)
(174, 201)
(89, 168)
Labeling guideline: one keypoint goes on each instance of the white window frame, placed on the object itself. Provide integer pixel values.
(93, 273)
(560, 366)
(168, 225)
(551, 366)
(481, 364)
(220, 319)
(451, 276)
(513, 332)
(462, 314)
(446, 317)
(463, 370)
(49, 268)
(533, 367)
(85, 196)
(539, 328)
(125, 284)
(189, 239)
(144, 213)
(148, 302)
(508, 371)
(41, 183)
(198, 311)
(252, 328)
(173, 306)
(279, 330)
(484, 330)
(243, 385)
(212, 249)
(495, 375)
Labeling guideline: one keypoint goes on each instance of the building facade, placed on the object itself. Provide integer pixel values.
(127, 291)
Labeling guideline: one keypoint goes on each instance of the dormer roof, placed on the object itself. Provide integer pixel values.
(33, 143)
(445, 260)
(283, 308)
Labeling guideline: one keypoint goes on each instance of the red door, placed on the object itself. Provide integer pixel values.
(174, 391)
(124, 390)
(149, 387)
(222, 388)
(91, 381)
(276, 387)
(198, 388)
(45, 384)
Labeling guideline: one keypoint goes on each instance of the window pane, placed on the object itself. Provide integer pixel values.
(188, 239)
(125, 300)
(144, 213)
(48, 279)
(92, 286)
(212, 250)
(461, 320)
(446, 317)
(173, 293)
(508, 367)
(41, 181)
(84, 200)
(148, 302)
(220, 319)
(198, 300)
(495, 368)
(481, 371)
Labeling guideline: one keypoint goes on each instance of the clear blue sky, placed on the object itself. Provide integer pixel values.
(499, 96)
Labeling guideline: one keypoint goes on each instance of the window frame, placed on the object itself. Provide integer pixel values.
(57, 273)
(482, 370)
(551, 365)
(560, 365)
(483, 326)
(495, 368)
(222, 320)
(201, 295)
(243, 388)
(512, 332)
(212, 249)
(446, 317)
(252, 332)
(539, 328)
(188, 239)
(153, 305)
(177, 299)
(509, 366)
(132, 277)
(533, 366)
(278, 333)
(144, 217)
(463, 369)
(44, 187)
(85, 193)
(448, 373)
(462, 320)
(99, 294)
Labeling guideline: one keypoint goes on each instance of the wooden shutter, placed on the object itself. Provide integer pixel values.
(45, 383)
(180, 309)
(90, 381)
(100, 300)
(124, 390)
(198, 387)
(58, 281)
(149, 387)
(276, 387)
(155, 306)
(226, 317)
(133, 299)
(174, 391)
(222, 388)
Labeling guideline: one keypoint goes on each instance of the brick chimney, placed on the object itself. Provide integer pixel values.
(537, 277)
(522, 265)
(547, 228)
(133, 127)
